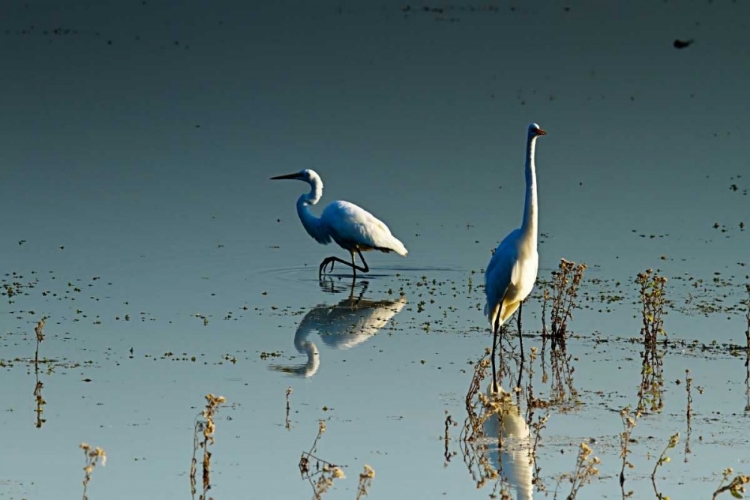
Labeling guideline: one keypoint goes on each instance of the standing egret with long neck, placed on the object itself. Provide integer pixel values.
(351, 227)
(511, 273)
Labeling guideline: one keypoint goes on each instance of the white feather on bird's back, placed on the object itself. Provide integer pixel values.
(352, 226)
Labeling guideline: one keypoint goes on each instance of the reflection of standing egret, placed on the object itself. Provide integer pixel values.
(351, 227)
(512, 457)
(342, 326)
(511, 273)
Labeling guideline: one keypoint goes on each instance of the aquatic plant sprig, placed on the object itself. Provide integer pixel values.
(94, 457)
(365, 481)
(564, 292)
(311, 466)
(629, 422)
(203, 436)
(663, 459)
(287, 422)
(653, 300)
(39, 385)
(736, 487)
(584, 472)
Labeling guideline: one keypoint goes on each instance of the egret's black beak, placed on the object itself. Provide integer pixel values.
(540, 132)
(287, 176)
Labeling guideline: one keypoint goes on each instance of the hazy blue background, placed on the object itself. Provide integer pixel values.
(141, 136)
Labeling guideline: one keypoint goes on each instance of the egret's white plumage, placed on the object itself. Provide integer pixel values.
(511, 273)
(351, 227)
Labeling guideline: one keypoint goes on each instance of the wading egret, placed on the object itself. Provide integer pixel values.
(511, 273)
(351, 227)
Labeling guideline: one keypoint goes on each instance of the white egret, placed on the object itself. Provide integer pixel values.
(351, 227)
(511, 273)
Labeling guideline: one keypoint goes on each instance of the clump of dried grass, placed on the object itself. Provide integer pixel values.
(94, 456)
(561, 292)
(203, 436)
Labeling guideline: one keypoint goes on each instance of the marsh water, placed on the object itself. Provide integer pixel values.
(141, 223)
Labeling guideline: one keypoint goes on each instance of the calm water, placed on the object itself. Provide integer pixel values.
(141, 222)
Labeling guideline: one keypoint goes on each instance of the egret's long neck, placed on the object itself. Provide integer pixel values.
(529, 226)
(311, 223)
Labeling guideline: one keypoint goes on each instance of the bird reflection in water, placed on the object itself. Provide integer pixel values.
(496, 441)
(510, 449)
(341, 326)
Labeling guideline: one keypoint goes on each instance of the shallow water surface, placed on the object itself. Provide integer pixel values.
(140, 222)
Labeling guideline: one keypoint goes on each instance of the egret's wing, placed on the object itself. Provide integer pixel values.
(502, 271)
(351, 224)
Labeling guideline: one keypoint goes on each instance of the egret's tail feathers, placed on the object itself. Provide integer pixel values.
(401, 250)
(493, 314)
(396, 246)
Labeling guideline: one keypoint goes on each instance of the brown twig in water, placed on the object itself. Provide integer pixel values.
(736, 487)
(747, 353)
(688, 412)
(205, 428)
(40, 402)
(311, 466)
(365, 481)
(663, 459)
(94, 456)
(447, 438)
(629, 421)
(287, 423)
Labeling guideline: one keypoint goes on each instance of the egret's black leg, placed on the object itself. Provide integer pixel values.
(520, 339)
(518, 322)
(495, 328)
(352, 264)
(365, 269)
(329, 260)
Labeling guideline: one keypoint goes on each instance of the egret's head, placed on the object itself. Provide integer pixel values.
(305, 175)
(535, 130)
